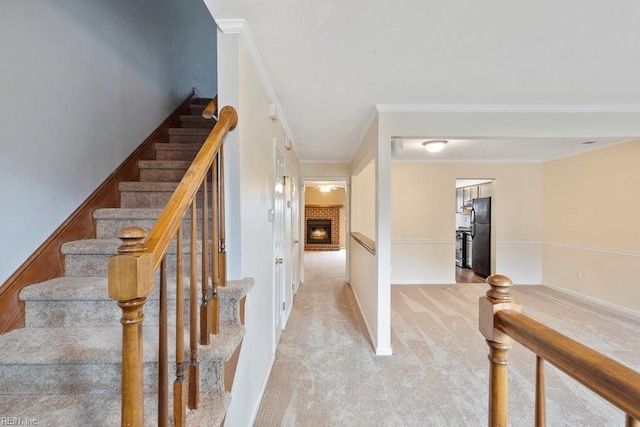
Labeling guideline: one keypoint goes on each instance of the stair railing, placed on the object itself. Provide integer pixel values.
(132, 277)
(501, 323)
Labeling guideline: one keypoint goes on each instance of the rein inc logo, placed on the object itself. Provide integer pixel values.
(18, 421)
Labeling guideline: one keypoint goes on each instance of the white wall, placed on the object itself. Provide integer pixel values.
(423, 220)
(310, 170)
(591, 223)
(82, 84)
(363, 211)
(370, 215)
(249, 160)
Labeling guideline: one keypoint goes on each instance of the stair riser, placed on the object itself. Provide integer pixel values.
(187, 138)
(176, 155)
(162, 175)
(107, 228)
(66, 314)
(94, 379)
(97, 265)
(197, 122)
(196, 110)
(149, 199)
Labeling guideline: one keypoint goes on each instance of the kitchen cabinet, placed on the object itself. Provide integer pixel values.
(469, 193)
(484, 190)
(459, 200)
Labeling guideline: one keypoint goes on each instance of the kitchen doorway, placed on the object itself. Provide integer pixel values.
(474, 228)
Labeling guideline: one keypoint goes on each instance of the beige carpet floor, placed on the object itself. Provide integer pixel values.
(326, 373)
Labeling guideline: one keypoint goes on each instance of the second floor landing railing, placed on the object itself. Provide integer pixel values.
(197, 206)
(501, 323)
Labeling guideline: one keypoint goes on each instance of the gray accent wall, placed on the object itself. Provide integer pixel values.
(82, 83)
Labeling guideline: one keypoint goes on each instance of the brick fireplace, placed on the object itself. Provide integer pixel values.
(322, 227)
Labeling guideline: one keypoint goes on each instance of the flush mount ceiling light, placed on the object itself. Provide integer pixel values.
(326, 188)
(434, 145)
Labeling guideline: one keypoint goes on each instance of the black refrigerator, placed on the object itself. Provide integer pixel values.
(481, 236)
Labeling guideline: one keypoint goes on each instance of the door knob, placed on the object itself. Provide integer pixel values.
(296, 241)
(279, 260)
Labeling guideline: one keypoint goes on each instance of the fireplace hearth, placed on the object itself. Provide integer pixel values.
(318, 231)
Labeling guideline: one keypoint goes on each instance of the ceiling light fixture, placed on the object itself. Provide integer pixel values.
(435, 145)
(325, 188)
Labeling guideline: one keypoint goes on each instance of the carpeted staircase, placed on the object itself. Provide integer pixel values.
(63, 368)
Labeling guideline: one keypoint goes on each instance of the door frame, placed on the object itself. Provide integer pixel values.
(347, 209)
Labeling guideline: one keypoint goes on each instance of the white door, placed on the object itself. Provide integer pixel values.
(295, 237)
(278, 243)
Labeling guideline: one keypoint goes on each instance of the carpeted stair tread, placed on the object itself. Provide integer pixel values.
(176, 146)
(148, 186)
(177, 151)
(236, 289)
(189, 132)
(97, 288)
(86, 289)
(68, 289)
(212, 409)
(91, 247)
(109, 247)
(223, 344)
(133, 213)
(164, 164)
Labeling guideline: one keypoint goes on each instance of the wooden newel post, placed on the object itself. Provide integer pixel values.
(131, 280)
(498, 298)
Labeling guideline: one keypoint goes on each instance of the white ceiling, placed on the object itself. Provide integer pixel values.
(330, 62)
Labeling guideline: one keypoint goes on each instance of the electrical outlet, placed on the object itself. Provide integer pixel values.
(578, 273)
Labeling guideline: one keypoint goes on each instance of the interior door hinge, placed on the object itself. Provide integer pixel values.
(284, 306)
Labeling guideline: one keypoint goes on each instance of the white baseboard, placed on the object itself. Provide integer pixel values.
(426, 282)
(607, 304)
(256, 408)
(384, 351)
(374, 342)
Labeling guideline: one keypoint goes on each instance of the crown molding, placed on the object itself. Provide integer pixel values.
(487, 108)
(240, 27)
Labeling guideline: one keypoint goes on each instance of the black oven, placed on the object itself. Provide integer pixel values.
(460, 248)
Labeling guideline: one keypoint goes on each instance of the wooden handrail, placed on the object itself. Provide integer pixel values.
(617, 383)
(210, 110)
(501, 323)
(171, 217)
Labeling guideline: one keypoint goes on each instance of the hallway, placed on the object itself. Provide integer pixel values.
(326, 373)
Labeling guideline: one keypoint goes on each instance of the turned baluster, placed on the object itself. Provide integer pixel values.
(194, 366)
(222, 254)
(131, 280)
(180, 383)
(497, 298)
(215, 260)
(205, 314)
(541, 408)
(163, 350)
